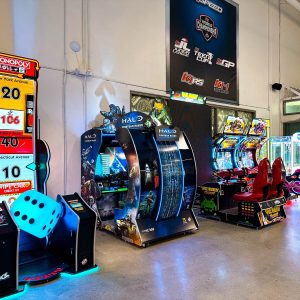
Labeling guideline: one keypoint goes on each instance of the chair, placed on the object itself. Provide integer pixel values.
(278, 174)
(261, 185)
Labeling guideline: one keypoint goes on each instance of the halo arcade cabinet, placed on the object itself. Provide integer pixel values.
(141, 179)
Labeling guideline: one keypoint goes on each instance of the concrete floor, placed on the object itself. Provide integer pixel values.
(220, 261)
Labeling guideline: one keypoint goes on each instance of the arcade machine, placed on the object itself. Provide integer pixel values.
(225, 145)
(40, 238)
(224, 164)
(24, 159)
(281, 146)
(253, 148)
(141, 179)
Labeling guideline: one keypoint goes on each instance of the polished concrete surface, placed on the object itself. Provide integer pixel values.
(220, 261)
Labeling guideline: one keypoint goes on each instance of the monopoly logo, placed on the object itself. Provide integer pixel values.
(207, 26)
(4, 276)
(225, 63)
(203, 57)
(211, 5)
(221, 87)
(14, 62)
(191, 80)
(181, 47)
(130, 120)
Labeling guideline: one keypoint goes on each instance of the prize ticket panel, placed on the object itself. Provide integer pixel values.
(17, 168)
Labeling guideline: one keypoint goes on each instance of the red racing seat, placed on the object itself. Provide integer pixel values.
(278, 175)
(261, 184)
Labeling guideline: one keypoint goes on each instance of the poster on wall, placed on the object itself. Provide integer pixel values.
(202, 48)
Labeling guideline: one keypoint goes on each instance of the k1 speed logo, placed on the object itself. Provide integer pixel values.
(181, 47)
(225, 63)
(221, 87)
(191, 80)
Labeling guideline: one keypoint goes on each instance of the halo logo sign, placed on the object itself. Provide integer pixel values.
(207, 26)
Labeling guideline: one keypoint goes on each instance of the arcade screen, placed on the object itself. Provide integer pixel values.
(248, 159)
(111, 162)
(224, 160)
(17, 159)
(76, 205)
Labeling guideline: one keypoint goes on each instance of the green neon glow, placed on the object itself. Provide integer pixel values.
(116, 191)
(81, 274)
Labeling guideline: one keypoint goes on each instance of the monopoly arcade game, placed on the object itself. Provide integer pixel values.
(23, 159)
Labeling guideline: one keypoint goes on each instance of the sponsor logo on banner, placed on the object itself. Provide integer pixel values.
(221, 87)
(211, 5)
(203, 57)
(181, 47)
(191, 80)
(225, 63)
(207, 26)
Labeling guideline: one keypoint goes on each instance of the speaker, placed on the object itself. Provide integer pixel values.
(277, 86)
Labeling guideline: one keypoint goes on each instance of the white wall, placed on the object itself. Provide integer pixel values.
(289, 52)
(123, 47)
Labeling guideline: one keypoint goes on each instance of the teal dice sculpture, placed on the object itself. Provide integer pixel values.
(36, 213)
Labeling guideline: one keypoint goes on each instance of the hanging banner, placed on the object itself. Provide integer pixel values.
(202, 51)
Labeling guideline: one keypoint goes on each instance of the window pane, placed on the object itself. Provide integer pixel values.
(291, 107)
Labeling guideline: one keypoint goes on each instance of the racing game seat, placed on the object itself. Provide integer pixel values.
(278, 174)
(261, 185)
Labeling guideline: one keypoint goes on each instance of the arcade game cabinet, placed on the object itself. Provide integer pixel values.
(225, 146)
(24, 159)
(40, 238)
(140, 179)
(253, 148)
(229, 179)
